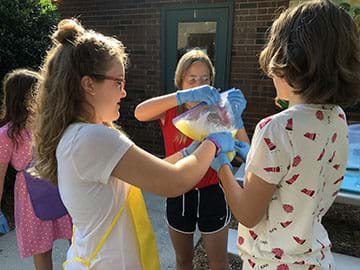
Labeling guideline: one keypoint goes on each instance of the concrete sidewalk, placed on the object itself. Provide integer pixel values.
(10, 260)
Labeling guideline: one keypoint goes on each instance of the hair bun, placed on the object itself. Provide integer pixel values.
(68, 30)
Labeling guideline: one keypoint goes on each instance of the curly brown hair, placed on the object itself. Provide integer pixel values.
(315, 47)
(75, 53)
(19, 89)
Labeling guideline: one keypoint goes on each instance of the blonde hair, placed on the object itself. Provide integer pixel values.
(75, 53)
(191, 57)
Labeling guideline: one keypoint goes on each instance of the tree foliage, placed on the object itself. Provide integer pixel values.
(25, 26)
(351, 6)
(353, 9)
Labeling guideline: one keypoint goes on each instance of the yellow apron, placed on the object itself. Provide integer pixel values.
(143, 231)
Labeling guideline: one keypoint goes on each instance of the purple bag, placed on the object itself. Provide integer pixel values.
(45, 198)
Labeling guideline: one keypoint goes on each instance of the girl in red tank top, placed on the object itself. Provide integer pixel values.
(205, 205)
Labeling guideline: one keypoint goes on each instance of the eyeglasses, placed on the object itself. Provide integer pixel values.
(195, 79)
(120, 81)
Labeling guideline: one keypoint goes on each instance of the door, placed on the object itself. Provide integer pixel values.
(207, 27)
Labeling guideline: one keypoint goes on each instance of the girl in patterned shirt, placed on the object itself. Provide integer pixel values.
(297, 158)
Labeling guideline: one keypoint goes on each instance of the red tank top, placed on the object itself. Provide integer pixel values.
(172, 146)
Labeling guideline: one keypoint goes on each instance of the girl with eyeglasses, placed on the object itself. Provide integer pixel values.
(205, 205)
(97, 168)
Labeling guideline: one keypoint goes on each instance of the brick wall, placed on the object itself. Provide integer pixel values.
(137, 24)
(251, 20)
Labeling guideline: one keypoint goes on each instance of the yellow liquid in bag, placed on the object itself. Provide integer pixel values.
(230, 155)
(198, 135)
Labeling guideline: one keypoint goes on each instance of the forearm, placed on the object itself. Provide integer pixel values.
(241, 135)
(193, 167)
(174, 158)
(188, 171)
(233, 191)
(139, 168)
(153, 108)
(242, 210)
(248, 204)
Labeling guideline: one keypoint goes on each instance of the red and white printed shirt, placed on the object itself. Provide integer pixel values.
(303, 150)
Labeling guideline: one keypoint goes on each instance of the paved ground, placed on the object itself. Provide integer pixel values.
(10, 260)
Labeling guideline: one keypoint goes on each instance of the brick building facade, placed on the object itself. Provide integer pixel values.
(137, 23)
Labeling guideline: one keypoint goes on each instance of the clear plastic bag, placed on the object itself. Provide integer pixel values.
(202, 120)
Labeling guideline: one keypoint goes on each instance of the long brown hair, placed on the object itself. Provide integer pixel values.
(191, 57)
(315, 47)
(19, 89)
(75, 53)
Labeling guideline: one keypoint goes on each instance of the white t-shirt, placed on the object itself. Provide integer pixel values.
(302, 150)
(86, 156)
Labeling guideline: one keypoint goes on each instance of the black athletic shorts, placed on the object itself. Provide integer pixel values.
(206, 207)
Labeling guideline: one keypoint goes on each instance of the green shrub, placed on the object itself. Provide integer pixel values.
(24, 32)
(354, 10)
(25, 26)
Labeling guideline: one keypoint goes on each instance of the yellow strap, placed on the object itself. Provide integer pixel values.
(144, 232)
(99, 246)
(106, 235)
(78, 259)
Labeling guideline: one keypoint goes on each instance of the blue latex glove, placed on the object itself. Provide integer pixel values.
(223, 141)
(238, 104)
(4, 226)
(204, 93)
(220, 161)
(190, 148)
(242, 149)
